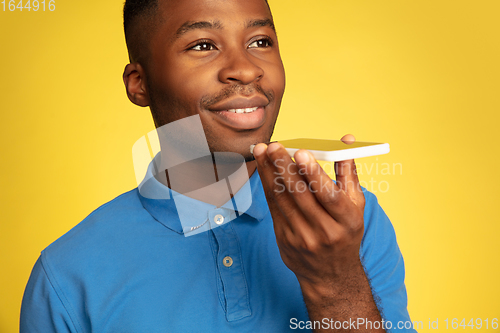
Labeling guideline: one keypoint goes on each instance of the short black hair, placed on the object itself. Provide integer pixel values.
(135, 8)
(133, 12)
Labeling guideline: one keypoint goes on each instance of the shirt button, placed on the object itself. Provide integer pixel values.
(218, 219)
(227, 261)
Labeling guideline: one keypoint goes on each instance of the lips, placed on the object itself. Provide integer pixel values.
(241, 113)
(240, 103)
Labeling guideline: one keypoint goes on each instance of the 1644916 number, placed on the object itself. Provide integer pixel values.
(35, 5)
(473, 323)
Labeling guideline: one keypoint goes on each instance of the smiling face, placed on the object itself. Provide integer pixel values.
(218, 59)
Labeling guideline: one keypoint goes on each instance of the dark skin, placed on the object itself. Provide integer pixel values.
(316, 222)
(214, 56)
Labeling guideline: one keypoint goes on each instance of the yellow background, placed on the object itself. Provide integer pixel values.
(422, 75)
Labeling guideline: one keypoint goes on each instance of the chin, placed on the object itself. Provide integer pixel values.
(238, 142)
(243, 151)
(234, 153)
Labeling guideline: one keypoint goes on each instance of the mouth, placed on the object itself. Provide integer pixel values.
(242, 119)
(241, 113)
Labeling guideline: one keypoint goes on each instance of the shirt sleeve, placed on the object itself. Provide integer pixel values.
(42, 310)
(384, 267)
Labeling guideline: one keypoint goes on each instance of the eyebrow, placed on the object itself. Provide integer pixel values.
(190, 25)
(217, 25)
(261, 23)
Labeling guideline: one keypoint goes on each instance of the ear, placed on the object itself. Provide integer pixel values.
(134, 78)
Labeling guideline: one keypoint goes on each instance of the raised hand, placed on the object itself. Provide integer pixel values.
(319, 227)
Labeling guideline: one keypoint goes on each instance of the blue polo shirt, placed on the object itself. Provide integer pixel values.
(130, 267)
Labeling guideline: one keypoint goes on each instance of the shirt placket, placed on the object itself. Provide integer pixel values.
(230, 267)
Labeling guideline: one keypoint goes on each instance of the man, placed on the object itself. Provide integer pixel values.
(295, 258)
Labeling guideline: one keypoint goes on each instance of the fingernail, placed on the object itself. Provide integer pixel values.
(258, 149)
(251, 149)
(273, 147)
(302, 157)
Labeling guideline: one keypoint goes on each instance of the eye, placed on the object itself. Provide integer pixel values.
(203, 45)
(263, 42)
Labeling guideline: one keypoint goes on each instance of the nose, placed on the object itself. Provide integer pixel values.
(239, 67)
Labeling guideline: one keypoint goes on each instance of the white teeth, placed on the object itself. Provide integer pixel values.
(246, 110)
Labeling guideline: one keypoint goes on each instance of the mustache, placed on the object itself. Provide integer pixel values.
(233, 90)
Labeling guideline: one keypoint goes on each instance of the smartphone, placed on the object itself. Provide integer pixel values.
(335, 150)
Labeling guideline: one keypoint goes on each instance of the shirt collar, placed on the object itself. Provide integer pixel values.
(189, 216)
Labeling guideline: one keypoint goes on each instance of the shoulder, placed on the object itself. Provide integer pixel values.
(73, 273)
(97, 231)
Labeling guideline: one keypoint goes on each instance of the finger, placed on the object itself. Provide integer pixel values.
(330, 196)
(347, 180)
(273, 187)
(347, 176)
(312, 211)
(283, 208)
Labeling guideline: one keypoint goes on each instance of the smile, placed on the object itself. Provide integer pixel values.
(242, 118)
(241, 112)
(245, 110)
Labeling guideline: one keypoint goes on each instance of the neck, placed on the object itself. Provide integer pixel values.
(197, 178)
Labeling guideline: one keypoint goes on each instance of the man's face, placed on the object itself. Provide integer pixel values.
(218, 59)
